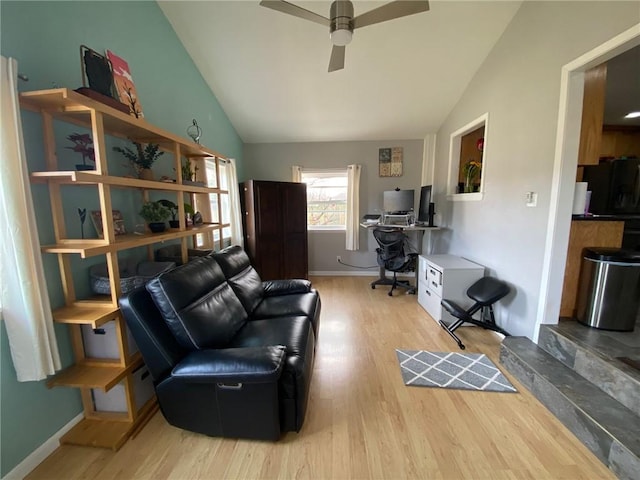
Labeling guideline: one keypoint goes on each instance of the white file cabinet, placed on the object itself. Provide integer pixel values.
(445, 276)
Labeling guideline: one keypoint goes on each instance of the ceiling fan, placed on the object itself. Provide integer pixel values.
(342, 22)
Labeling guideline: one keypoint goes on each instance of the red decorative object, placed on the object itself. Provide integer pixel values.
(124, 84)
(480, 144)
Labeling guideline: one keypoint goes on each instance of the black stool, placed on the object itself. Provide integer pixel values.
(485, 292)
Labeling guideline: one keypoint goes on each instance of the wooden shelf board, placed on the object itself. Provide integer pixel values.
(76, 108)
(86, 313)
(92, 177)
(98, 433)
(93, 375)
(103, 433)
(90, 248)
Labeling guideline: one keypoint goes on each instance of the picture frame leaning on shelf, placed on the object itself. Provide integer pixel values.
(118, 222)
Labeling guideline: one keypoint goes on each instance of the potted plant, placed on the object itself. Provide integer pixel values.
(174, 222)
(142, 158)
(189, 174)
(83, 144)
(155, 214)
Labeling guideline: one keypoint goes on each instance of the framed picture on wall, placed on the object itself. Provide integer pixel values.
(390, 162)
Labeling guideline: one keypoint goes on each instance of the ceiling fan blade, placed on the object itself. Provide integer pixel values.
(337, 58)
(291, 9)
(389, 12)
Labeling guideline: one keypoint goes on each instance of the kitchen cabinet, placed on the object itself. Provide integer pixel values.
(445, 277)
(620, 141)
(595, 83)
(585, 233)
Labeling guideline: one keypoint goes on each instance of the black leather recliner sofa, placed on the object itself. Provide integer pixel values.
(230, 355)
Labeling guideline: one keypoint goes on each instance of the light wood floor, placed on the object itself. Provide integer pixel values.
(362, 422)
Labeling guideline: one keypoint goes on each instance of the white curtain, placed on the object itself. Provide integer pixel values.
(296, 173)
(353, 207)
(25, 302)
(235, 213)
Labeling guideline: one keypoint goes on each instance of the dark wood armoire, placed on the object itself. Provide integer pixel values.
(274, 218)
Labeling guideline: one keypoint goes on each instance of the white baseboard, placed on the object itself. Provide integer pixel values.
(35, 458)
(344, 273)
(355, 273)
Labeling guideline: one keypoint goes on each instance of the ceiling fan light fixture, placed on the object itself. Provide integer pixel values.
(341, 37)
(342, 23)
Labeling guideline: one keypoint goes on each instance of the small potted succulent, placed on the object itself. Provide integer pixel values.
(142, 158)
(83, 144)
(155, 214)
(189, 174)
(174, 222)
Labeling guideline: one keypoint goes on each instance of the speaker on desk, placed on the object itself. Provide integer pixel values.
(432, 212)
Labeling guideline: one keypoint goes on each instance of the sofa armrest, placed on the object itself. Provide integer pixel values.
(286, 287)
(232, 365)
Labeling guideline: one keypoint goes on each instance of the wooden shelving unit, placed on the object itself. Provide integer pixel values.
(106, 429)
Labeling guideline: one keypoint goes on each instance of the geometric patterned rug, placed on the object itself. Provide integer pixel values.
(467, 371)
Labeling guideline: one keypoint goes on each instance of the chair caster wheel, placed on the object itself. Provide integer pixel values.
(462, 347)
(373, 287)
(390, 294)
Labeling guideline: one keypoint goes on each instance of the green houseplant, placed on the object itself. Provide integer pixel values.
(189, 174)
(142, 158)
(174, 222)
(155, 214)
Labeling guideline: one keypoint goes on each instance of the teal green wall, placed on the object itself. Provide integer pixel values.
(45, 38)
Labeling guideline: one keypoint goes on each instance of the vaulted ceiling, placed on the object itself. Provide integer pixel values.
(400, 81)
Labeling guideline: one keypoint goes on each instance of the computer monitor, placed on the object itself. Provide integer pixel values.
(397, 202)
(425, 200)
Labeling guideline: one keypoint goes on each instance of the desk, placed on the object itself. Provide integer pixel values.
(384, 280)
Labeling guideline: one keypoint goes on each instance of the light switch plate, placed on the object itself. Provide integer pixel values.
(531, 199)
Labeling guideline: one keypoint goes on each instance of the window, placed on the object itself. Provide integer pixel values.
(218, 214)
(224, 210)
(326, 199)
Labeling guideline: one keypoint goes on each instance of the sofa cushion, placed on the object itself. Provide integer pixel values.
(242, 277)
(286, 287)
(198, 304)
(287, 305)
(232, 365)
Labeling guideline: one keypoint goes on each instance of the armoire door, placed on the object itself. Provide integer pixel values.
(294, 208)
(269, 236)
(275, 228)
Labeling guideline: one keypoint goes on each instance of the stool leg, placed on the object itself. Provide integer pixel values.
(453, 335)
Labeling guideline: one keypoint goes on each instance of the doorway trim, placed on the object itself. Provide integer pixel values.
(564, 170)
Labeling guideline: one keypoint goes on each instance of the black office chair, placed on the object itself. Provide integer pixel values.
(394, 255)
(485, 292)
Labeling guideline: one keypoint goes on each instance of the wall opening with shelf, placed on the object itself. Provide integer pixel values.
(468, 160)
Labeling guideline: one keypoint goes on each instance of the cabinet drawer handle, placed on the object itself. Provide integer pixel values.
(434, 284)
(230, 386)
(427, 292)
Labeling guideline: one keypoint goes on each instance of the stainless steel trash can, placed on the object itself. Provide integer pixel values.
(609, 289)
